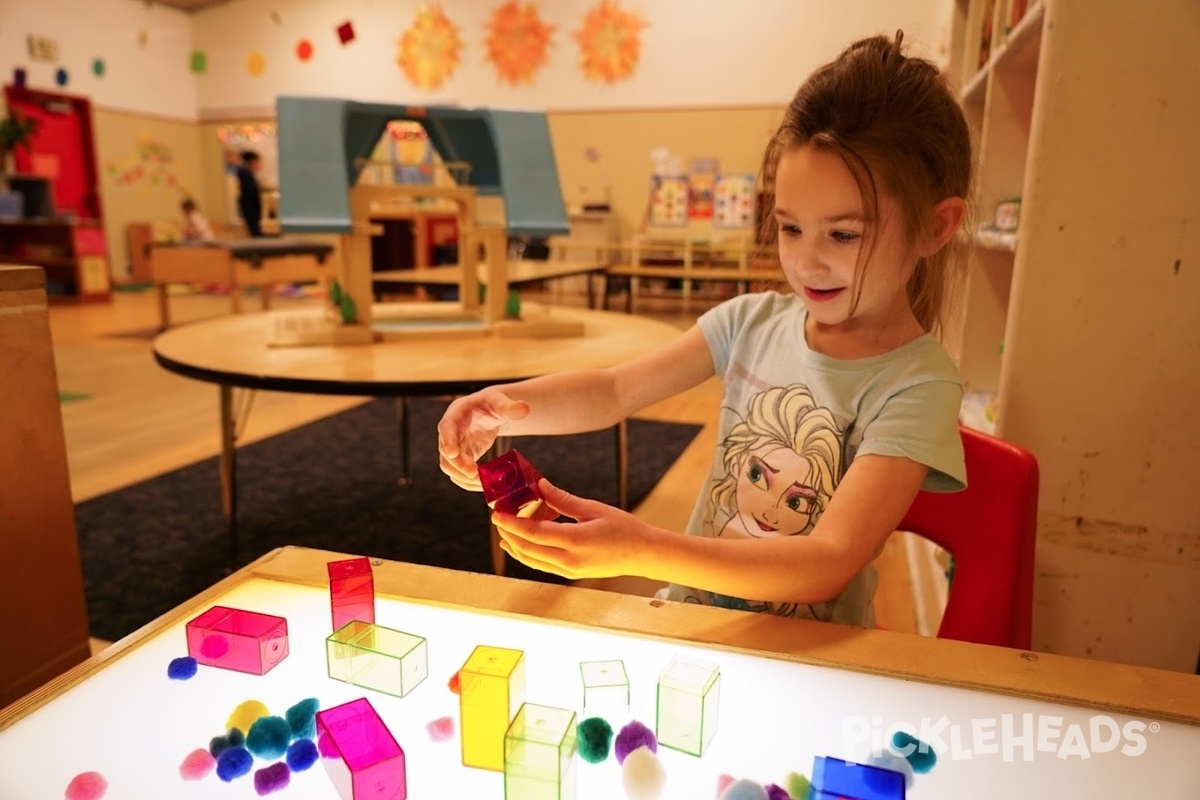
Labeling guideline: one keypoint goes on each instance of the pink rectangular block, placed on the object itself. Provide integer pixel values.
(351, 591)
(231, 638)
(510, 484)
(360, 754)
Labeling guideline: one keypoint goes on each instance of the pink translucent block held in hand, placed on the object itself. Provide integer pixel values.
(510, 484)
(231, 638)
(360, 754)
(351, 591)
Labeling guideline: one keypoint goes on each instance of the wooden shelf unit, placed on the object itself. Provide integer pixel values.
(73, 253)
(1084, 325)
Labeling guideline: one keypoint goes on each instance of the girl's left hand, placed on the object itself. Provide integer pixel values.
(603, 542)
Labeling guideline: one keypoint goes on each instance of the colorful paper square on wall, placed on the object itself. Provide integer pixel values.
(345, 32)
(198, 63)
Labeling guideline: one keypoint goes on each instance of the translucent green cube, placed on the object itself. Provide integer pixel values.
(368, 655)
(539, 754)
(688, 695)
(605, 688)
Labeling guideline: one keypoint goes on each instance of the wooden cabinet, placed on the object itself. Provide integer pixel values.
(43, 616)
(74, 255)
(1082, 327)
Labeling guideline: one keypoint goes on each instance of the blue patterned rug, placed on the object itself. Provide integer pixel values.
(331, 484)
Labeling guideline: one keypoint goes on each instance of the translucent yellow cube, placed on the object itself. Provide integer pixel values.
(374, 657)
(491, 689)
(688, 696)
(539, 754)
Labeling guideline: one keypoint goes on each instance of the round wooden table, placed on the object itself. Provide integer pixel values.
(233, 353)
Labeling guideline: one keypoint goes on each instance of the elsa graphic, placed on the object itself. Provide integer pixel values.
(782, 464)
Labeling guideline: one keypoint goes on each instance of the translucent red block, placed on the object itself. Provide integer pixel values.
(510, 484)
(351, 591)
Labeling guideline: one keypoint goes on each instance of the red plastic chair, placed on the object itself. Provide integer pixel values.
(990, 528)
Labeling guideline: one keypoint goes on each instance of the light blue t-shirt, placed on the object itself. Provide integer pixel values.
(792, 420)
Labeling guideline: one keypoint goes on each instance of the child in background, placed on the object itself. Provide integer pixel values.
(839, 402)
(195, 226)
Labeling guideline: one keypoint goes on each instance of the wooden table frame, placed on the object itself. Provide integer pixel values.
(1103, 686)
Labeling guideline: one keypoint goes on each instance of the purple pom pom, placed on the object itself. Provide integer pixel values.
(272, 778)
(633, 736)
(776, 792)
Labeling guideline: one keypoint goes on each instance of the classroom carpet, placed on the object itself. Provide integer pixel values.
(331, 484)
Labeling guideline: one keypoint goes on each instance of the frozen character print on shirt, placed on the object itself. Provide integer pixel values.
(782, 462)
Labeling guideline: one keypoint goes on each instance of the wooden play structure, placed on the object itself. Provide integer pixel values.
(324, 145)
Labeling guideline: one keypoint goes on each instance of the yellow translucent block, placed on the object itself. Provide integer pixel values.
(491, 689)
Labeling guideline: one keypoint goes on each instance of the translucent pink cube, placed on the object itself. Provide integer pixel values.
(510, 484)
(231, 638)
(360, 754)
(351, 591)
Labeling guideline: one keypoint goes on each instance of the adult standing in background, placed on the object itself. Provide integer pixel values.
(249, 194)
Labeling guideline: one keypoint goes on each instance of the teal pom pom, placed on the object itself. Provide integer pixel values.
(301, 718)
(269, 737)
(745, 790)
(595, 739)
(920, 756)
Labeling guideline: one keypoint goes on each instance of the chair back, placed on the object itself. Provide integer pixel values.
(990, 528)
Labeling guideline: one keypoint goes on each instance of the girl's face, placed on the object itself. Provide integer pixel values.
(821, 231)
(774, 492)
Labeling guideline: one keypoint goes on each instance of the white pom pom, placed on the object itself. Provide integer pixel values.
(643, 775)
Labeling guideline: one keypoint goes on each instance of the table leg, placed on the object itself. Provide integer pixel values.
(164, 310)
(591, 289)
(229, 472)
(402, 425)
(622, 431)
(264, 294)
(233, 419)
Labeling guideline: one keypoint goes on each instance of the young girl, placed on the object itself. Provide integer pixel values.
(839, 404)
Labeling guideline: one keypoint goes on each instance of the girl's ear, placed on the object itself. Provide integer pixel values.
(944, 220)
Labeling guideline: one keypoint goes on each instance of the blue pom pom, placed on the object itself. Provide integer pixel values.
(920, 756)
(268, 737)
(301, 754)
(234, 763)
(301, 718)
(180, 669)
(744, 790)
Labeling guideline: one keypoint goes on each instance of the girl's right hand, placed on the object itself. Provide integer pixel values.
(469, 428)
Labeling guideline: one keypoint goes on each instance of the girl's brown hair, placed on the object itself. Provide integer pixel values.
(897, 126)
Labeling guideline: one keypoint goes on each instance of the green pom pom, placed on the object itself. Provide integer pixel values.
(595, 739)
(797, 785)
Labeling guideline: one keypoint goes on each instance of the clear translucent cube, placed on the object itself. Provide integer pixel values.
(605, 688)
(539, 754)
(689, 693)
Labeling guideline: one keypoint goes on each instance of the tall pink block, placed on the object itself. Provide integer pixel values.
(510, 484)
(351, 591)
(231, 638)
(360, 754)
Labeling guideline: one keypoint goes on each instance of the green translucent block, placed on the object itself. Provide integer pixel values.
(688, 695)
(491, 690)
(539, 754)
(605, 688)
(367, 655)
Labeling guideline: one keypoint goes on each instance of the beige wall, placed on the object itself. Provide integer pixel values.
(147, 165)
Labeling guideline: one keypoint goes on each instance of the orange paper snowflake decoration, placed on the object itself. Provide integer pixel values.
(429, 49)
(517, 41)
(609, 42)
